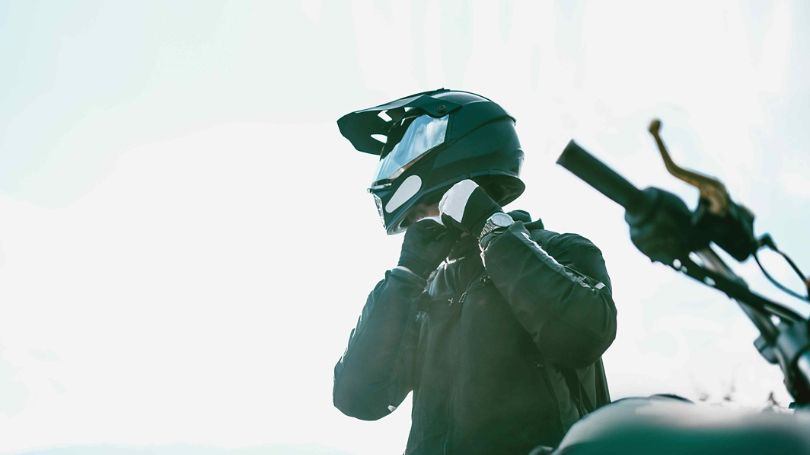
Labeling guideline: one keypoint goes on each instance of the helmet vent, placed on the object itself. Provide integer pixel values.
(380, 137)
(384, 115)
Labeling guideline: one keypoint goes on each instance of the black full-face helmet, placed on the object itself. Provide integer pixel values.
(429, 141)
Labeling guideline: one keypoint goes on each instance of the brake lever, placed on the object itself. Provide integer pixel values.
(711, 189)
(728, 224)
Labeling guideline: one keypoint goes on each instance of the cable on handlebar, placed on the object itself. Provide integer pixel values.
(767, 241)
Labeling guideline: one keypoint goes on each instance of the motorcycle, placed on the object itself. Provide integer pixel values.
(664, 229)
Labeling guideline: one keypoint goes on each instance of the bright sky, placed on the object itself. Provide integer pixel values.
(186, 240)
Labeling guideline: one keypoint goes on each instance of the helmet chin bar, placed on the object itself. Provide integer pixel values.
(378, 202)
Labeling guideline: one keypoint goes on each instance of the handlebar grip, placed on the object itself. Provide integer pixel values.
(601, 177)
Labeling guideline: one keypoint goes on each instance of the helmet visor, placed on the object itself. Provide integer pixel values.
(422, 134)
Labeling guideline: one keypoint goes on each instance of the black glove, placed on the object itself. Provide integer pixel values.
(663, 232)
(466, 206)
(425, 245)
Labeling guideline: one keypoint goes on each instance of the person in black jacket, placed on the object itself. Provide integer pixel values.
(495, 324)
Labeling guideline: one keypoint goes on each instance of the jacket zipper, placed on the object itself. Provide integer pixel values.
(475, 284)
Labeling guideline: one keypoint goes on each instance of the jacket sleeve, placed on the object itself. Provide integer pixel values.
(376, 372)
(560, 294)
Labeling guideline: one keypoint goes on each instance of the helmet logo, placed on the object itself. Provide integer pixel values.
(405, 192)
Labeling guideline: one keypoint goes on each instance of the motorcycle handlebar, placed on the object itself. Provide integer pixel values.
(602, 178)
(662, 216)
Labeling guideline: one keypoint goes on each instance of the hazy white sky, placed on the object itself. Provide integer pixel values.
(186, 240)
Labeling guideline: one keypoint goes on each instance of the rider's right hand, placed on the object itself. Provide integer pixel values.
(425, 245)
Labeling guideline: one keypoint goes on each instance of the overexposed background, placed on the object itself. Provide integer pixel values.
(185, 237)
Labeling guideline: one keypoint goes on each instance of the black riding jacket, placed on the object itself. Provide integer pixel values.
(502, 354)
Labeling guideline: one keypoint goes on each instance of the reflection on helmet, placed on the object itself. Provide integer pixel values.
(422, 134)
(429, 141)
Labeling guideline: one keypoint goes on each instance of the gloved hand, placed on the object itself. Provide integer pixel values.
(664, 231)
(466, 206)
(425, 245)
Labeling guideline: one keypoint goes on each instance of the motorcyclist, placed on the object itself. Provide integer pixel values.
(495, 324)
